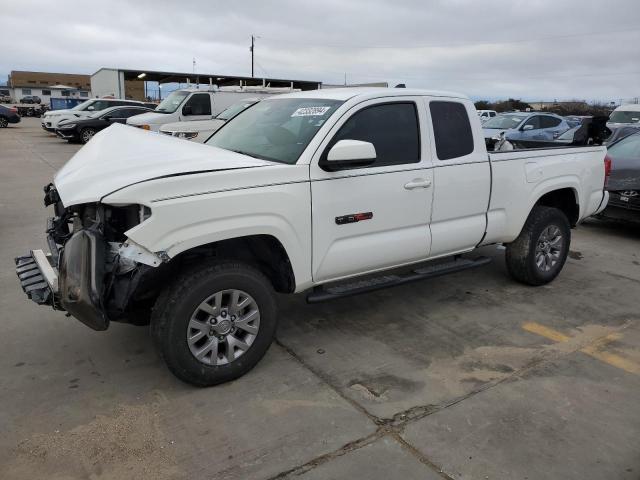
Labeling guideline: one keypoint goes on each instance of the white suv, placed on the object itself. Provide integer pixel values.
(51, 119)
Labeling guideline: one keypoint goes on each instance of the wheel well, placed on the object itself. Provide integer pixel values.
(565, 200)
(262, 251)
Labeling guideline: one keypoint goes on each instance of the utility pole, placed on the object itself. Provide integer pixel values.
(253, 39)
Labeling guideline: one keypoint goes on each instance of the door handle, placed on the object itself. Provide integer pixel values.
(418, 183)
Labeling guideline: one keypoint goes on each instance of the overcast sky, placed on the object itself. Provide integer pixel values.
(531, 49)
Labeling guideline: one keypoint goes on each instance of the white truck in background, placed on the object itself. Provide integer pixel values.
(199, 131)
(189, 104)
(332, 192)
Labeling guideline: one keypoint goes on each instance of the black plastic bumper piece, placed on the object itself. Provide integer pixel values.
(82, 272)
(391, 280)
(32, 281)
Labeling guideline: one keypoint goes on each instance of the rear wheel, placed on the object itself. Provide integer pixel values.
(214, 324)
(4, 123)
(87, 134)
(537, 256)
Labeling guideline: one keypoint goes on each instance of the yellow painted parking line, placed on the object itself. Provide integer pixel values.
(595, 349)
(546, 332)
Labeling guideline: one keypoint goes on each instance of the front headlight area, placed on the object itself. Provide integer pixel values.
(186, 135)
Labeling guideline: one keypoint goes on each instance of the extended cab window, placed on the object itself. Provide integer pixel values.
(451, 129)
(200, 104)
(392, 128)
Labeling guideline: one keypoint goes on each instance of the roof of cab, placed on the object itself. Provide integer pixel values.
(368, 92)
(631, 107)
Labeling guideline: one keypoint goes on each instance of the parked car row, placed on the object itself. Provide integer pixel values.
(515, 130)
(624, 182)
(52, 119)
(8, 115)
(82, 129)
(189, 113)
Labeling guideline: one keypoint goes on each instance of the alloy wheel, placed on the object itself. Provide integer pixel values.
(549, 248)
(223, 327)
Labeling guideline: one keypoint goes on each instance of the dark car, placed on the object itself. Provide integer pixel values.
(8, 115)
(30, 99)
(624, 181)
(83, 129)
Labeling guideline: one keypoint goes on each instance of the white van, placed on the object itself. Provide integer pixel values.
(625, 116)
(190, 104)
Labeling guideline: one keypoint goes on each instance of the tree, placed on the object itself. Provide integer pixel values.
(503, 105)
(483, 105)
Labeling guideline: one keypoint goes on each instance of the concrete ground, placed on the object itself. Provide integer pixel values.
(470, 376)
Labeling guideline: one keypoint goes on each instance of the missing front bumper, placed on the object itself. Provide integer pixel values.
(78, 287)
(38, 278)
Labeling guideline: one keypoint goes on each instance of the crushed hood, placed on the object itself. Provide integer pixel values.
(120, 156)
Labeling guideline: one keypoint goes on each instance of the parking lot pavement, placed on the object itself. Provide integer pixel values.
(465, 376)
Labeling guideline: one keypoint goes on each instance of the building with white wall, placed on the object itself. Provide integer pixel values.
(47, 85)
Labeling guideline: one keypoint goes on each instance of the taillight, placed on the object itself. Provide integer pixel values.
(607, 168)
(13, 110)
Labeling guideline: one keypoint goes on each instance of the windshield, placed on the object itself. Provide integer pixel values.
(625, 116)
(172, 102)
(275, 129)
(504, 121)
(235, 109)
(83, 105)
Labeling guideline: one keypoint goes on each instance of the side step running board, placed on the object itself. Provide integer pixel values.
(322, 294)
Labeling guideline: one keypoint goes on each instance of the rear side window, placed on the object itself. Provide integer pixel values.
(549, 122)
(200, 104)
(392, 128)
(451, 129)
(130, 112)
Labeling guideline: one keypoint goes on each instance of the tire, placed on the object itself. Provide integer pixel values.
(536, 257)
(4, 123)
(87, 134)
(178, 308)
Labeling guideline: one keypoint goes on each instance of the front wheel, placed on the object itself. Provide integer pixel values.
(537, 256)
(87, 134)
(214, 324)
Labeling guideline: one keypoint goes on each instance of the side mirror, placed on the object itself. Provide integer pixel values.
(527, 127)
(187, 110)
(91, 108)
(350, 154)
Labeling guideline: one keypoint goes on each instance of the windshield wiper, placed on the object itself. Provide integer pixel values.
(248, 154)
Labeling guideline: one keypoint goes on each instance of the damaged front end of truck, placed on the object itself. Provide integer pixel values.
(93, 271)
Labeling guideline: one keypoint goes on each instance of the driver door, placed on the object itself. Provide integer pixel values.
(376, 216)
(197, 107)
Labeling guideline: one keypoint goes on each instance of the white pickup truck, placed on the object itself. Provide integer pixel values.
(334, 192)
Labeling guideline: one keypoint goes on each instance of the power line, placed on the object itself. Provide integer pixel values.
(295, 42)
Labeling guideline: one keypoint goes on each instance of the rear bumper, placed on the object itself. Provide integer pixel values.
(623, 214)
(603, 203)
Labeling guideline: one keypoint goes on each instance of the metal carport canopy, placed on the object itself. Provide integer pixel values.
(217, 79)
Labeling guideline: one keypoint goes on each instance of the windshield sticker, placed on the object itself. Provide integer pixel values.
(310, 112)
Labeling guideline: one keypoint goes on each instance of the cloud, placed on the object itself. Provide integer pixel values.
(491, 49)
